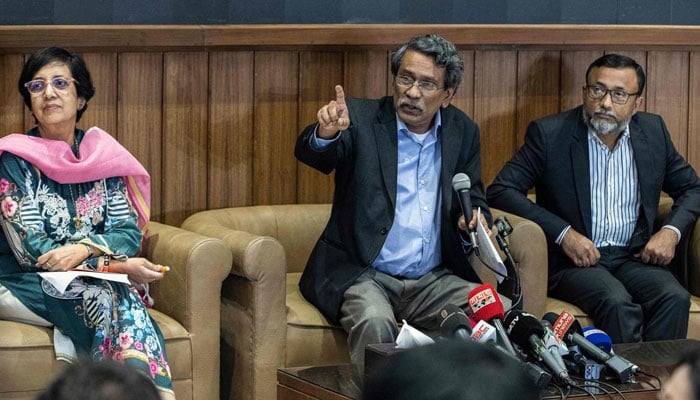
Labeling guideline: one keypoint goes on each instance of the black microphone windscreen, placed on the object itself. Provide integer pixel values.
(550, 317)
(452, 320)
(461, 182)
(520, 326)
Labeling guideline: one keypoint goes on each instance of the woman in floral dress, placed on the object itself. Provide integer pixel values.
(76, 200)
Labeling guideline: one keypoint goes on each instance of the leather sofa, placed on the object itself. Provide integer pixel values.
(267, 324)
(186, 309)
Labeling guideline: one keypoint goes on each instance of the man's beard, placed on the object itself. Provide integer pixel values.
(604, 127)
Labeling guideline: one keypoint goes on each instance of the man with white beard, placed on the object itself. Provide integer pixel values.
(598, 171)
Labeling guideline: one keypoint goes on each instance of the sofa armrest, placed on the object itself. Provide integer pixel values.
(528, 245)
(687, 258)
(254, 321)
(190, 293)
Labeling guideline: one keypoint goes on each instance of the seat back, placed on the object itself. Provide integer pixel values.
(296, 226)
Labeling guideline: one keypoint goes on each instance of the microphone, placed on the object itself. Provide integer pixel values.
(511, 284)
(552, 341)
(455, 323)
(485, 334)
(461, 184)
(527, 331)
(485, 305)
(599, 338)
(574, 361)
(568, 328)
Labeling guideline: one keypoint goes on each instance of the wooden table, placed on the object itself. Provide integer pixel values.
(343, 382)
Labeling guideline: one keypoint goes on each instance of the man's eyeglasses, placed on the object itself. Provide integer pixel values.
(406, 82)
(618, 96)
(38, 86)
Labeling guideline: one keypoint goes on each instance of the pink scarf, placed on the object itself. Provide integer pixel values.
(101, 156)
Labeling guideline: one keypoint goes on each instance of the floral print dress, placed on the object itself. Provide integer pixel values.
(103, 319)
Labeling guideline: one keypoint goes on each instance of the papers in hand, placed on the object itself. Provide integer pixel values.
(411, 337)
(61, 280)
(487, 251)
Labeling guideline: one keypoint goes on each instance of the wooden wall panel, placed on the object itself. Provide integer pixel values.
(367, 74)
(276, 95)
(464, 96)
(573, 76)
(11, 103)
(538, 90)
(139, 113)
(319, 72)
(101, 108)
(213, 113)
(495, 108)
(667, 93)
(693, 133)
(184, 135)
(231, 129)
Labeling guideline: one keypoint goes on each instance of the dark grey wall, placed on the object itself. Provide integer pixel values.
(81, 12)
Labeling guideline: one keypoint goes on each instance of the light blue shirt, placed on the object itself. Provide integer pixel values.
(412, 246)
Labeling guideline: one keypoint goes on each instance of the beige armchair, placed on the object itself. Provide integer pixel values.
(267, 324)
(186, 309)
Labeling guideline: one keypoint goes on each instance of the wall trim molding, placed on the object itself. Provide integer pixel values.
(110, 38)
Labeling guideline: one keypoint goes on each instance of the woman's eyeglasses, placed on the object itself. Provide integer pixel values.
(38, 86)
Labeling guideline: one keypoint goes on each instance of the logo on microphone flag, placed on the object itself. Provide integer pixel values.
(563, 323)
(481, 300)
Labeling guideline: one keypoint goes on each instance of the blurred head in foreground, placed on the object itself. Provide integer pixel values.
(450, 370)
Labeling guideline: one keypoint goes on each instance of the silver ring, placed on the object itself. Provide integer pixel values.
(48, 267)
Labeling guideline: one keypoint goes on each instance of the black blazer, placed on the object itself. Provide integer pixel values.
(554, 159)
(365, 163)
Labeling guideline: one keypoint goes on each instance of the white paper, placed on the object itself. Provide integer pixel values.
(411, 337)
(487, 251)
(61, 280)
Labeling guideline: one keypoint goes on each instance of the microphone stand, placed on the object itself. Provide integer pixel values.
(511, 284)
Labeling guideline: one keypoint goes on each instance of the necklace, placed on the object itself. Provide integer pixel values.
(76, 219)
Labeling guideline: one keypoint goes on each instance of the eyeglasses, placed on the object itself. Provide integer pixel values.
(618, 96)
(38, 86)
(407, 82)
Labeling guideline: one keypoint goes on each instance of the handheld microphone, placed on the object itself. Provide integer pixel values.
(568, 328)
(461, 184)
(455, 323)
(485, 305)
(526, 331)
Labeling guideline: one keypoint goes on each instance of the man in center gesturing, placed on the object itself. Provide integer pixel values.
(392, 248)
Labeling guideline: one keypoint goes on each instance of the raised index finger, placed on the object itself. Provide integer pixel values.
(339, 95)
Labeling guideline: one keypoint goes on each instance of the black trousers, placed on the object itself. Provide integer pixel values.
(629, 300)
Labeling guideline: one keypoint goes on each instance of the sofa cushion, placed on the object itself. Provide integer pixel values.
(311, 339)
(26, 347)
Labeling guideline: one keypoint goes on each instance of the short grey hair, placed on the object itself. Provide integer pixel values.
(440, 49)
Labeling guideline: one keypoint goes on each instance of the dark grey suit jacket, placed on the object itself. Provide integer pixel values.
(554, 159)
(365, 163)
